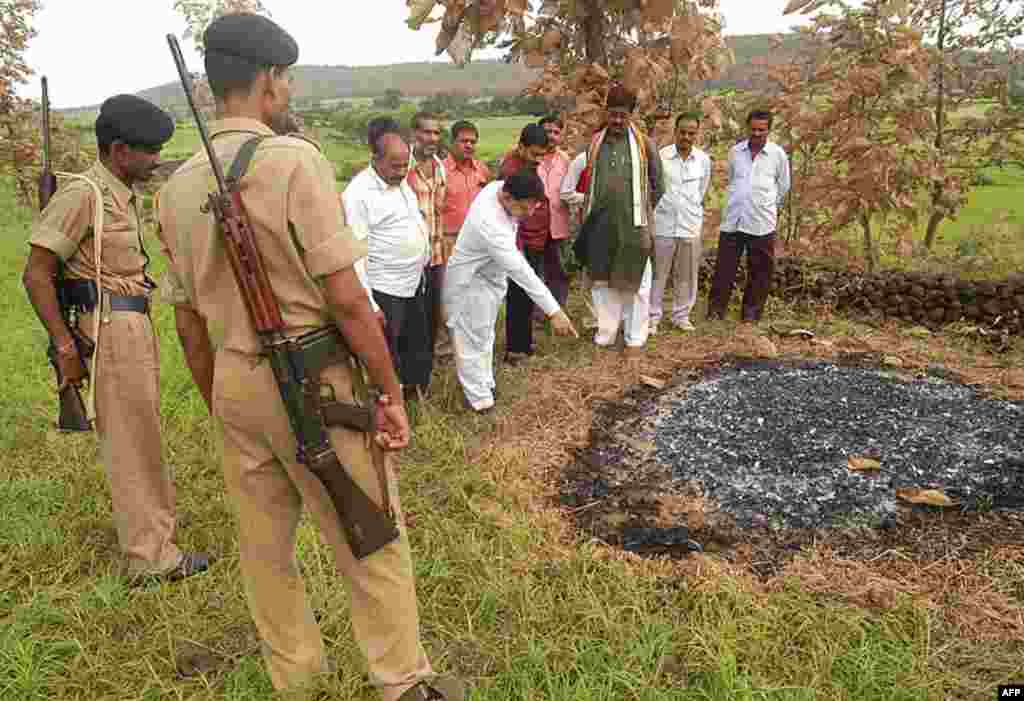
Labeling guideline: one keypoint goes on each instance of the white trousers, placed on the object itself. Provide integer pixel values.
(615, 308)
(471, 323)
(680, 259)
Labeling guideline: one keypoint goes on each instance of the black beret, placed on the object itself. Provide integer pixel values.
(252, 37)
(134, 121)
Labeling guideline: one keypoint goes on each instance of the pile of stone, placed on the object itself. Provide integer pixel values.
(928, 299)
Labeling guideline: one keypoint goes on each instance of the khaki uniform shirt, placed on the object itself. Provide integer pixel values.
(298, 224)
(65, 227)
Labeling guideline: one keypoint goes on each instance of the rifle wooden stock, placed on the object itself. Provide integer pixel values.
(247, 263)
(72, 415)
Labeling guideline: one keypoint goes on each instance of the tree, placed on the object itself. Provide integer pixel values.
(969, 39)
(391, 100)
(198, 14)
(851, 104)
(20, 123)
(657, 48)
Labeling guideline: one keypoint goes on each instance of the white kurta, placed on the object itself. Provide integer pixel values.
(476, 282)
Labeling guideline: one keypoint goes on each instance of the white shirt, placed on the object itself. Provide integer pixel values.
(399, 248)
(568, 192)
(680, 212)
(756, 189)
(486, 253)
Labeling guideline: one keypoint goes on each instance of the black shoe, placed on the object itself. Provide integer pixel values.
(516, 359)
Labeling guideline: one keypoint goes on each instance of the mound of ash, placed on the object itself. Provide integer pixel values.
(776, 447)
(771, 445)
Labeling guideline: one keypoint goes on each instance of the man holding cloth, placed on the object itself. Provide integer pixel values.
(624, 185)
(678, 221)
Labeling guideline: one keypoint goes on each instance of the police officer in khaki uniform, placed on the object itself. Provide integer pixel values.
(129, 133)
(299, 227)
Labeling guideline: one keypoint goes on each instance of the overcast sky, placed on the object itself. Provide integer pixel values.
(91, 49)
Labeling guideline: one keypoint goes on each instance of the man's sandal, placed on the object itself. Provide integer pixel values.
(190, 564)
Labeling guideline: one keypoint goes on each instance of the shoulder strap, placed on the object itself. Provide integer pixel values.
(242, 159)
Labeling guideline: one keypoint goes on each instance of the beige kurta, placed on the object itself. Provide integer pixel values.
(300, 229)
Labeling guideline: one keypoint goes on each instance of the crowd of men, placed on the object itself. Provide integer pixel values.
(411, 262)
(638, 216)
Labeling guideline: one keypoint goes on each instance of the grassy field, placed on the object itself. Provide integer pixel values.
(512, 598)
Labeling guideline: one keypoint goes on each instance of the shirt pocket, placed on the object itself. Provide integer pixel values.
(122, 248)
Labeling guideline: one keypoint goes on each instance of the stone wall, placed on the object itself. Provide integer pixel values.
(929, 299)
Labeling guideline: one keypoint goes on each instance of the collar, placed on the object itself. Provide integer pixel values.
(379, 182)
(414, 164)
(465, 164)
(675, 153)
(746, 145)
(242, 124)
(109, 182)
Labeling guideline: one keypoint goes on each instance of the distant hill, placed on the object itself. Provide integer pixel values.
(314, 84)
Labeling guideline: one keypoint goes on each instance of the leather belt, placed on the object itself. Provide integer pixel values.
(126, 303)
(82, 294)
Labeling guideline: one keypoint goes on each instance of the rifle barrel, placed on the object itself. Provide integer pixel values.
(186, 83)
(46, 125)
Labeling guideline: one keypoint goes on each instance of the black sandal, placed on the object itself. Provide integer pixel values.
(189, 564)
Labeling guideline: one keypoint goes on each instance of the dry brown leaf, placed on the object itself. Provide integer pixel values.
(765, 348)
(419, 10)
(652, 382)
(551, 40)
(534, 58)
(932, 497)
(656, 11)
(861, 463)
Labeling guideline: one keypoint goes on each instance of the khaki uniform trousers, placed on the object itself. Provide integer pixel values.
(128, 427)
(269, 489)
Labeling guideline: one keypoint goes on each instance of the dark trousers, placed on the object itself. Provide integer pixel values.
(760, 269)
(519, 309)
(554, 274)
(409, 336)
(435, 285)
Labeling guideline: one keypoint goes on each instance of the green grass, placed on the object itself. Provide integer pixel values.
(499, 606)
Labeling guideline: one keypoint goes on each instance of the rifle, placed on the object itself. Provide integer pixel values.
(296, 362)
(72, 415)
(47, 180)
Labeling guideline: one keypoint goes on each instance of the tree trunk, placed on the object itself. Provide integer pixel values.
(870, 256)
(940, 124)
(933, 227)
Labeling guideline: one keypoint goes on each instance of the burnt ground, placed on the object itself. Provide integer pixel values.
(749, 459)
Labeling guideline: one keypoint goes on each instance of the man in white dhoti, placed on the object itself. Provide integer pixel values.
(484, 259)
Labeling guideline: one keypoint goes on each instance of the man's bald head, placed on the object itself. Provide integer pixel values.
(391, 160)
